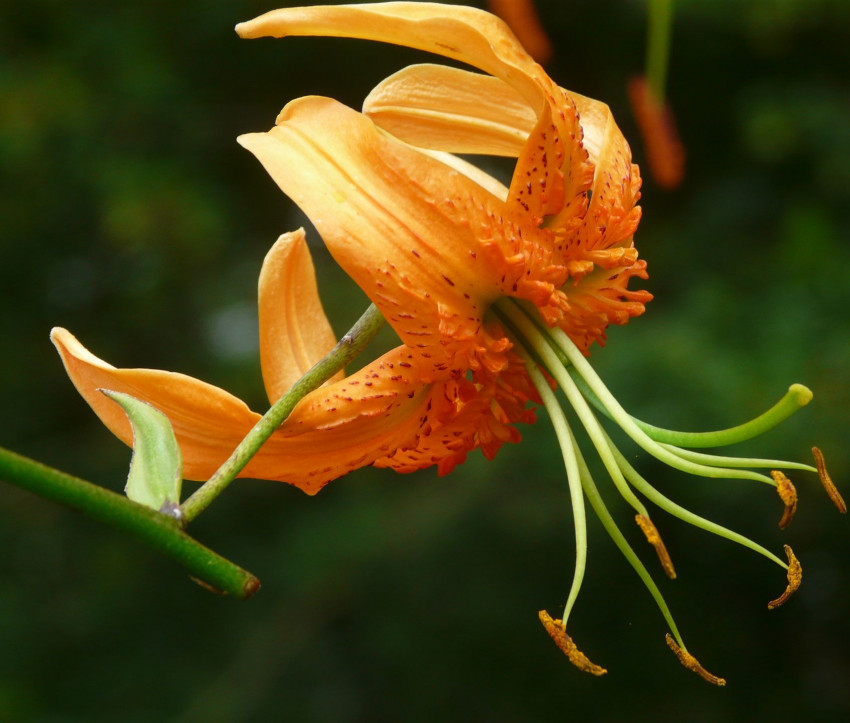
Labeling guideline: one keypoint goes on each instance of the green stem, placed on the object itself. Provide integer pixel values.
(160, 531)
(658, 46)
(347, 348)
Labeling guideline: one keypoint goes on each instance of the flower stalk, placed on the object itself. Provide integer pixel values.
(348, 347)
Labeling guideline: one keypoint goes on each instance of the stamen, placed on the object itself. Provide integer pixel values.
(570, 453)
(558, 633)
(827, 482)
(692, 664)
(788, 495)
(646, 489)
(795, 577)
(653, 538)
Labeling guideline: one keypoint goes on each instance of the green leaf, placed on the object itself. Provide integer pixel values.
(156, 469)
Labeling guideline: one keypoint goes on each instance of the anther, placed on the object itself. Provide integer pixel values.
(692, 664)
(653, 538)
(558, 633)
(827, 482)
(788, 495)
(795, 577)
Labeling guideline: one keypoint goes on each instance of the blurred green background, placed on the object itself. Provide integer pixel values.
(129, 215)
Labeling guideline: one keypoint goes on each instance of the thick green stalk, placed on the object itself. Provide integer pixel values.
(347, 348)
(160, 531)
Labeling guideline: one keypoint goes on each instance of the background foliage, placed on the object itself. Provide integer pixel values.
(129, 214)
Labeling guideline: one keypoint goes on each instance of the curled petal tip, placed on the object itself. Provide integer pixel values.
(788, 495)
(556, 631)
(827, 482)
(795, 577)
(653, 538)
(692, 664)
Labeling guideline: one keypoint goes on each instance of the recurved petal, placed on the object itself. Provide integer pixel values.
(466, 34)
(208, 421)
(333, 430)
(612, 215)
(448, 109)
(552, 175)
(294, 331)
(403, 225)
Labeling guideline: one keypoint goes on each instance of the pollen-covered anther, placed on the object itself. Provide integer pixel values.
(795, 577)
(653, 538)
(827, 482)
(558, 633)
(692, 664)
(788, 495)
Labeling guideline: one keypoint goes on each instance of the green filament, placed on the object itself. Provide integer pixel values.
(622, 544)
(666, 504)
(570, 452)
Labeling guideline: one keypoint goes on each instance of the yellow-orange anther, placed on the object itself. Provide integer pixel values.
(653, 538)
(827, 482)
(692, 664)
(558, 633)
(788, 495)
(795, 577)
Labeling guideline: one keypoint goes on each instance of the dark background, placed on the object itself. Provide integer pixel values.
(129, 215)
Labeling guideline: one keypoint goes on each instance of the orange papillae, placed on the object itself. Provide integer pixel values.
(692, 664)
(788, 495)
(653, 538)
(522, 17)
(827, 482)
(795, 577)
(664, 151)
(558, 633)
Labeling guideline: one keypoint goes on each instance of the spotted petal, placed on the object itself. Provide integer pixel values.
(406, 227)
(333, 430)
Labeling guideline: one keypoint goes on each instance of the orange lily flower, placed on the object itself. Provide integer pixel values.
(461, 267)
(434, 242)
